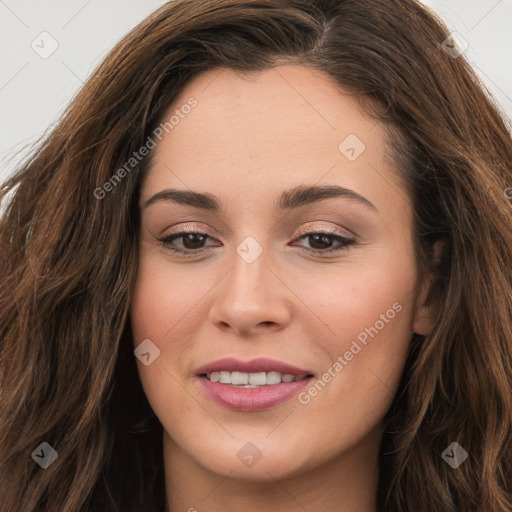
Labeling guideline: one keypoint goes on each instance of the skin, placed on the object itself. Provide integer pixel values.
(249, 139)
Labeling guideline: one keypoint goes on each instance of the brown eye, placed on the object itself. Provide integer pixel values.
(321, 243)
(192, 242)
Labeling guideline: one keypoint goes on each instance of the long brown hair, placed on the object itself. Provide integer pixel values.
(69, 257)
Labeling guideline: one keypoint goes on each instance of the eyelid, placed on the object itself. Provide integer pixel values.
(347, 241)
(329, 231)
(192, 228)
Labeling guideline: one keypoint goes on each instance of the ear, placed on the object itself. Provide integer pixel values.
(423, 313)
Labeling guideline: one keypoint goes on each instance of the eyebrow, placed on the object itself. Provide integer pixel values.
(294, 198)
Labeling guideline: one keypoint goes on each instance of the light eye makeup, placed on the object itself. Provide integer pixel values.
(332, 240)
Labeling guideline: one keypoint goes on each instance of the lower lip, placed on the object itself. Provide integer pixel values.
(252, 399)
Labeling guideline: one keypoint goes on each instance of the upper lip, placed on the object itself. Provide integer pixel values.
(261, 364)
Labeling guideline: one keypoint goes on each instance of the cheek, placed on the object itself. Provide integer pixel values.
(165, 304)
(369, 312)
(162, 300)
(356, 300)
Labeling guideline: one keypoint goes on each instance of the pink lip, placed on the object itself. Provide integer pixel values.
(252, 399)
(261, 364)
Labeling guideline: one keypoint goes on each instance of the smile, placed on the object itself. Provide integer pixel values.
(251, 386)
(252, 380)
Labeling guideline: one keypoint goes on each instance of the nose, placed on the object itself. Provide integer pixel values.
(251, 299)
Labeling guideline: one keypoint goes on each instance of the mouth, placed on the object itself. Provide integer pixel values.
(252, 386)
(253, 380)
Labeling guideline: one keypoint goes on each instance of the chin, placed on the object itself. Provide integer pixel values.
(266, 470)
(259, 460)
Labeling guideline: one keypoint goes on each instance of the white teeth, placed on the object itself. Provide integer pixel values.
(225, 378)
(239, 378)
(250, 380)
(258, 379)
(273, 378)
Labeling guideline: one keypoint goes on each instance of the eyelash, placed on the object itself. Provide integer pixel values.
(345, 241)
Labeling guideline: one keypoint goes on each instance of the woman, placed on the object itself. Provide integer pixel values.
(264, 260)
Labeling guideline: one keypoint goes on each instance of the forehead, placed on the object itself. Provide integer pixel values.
(276, 109)
(269, 131)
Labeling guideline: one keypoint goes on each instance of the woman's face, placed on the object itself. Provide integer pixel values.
(300, 276)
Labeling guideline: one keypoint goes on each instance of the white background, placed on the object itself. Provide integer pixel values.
(34, 91)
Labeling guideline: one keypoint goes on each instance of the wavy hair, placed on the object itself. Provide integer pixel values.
(69, 259)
